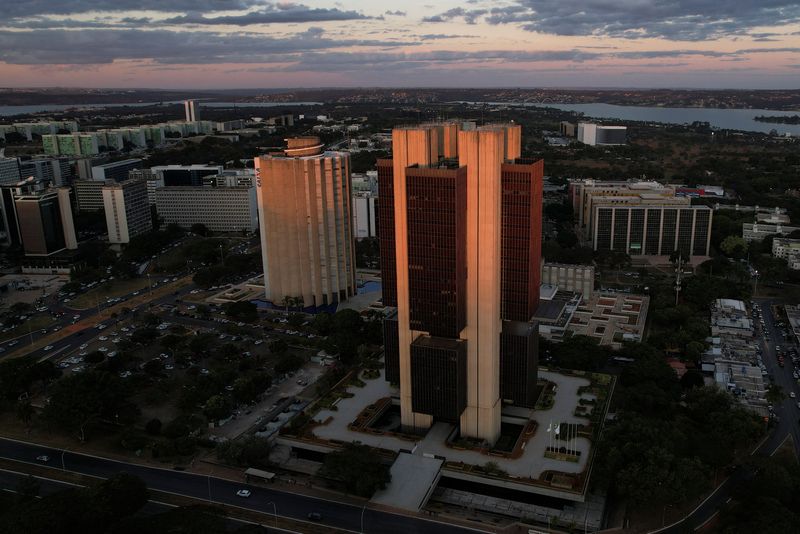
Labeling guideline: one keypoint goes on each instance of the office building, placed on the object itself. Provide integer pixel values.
(305, 217)
(88, 195)
(116, 171)
(598, 135)
(29, 129)
(758, 231)
(127, 210)
(192, 109)
(364, 215)
(460, 219)
(184, 175)
(787, 249)
(584, 194)
(76, 144)
(220, 209)
(652, 229)
(567, 129)
(56, 171)
(231, 178)
(9, 171)
(43, 218)
(566, 277)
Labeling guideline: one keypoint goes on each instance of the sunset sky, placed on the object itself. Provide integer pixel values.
(477, 43)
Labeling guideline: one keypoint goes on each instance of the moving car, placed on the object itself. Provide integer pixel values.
(243, 493)
(43, 458)
(315, 516)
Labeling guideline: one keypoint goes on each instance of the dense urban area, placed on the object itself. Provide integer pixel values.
(378, 310)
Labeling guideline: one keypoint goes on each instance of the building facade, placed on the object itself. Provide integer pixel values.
(598, 135)
(44, 220)
(787, 249)
(653, 230)
(220, 209)
(192, 110)
(305, 217)
(127, 210)
(462, 267)
(576, 278)
(758, 231)
(184, 175)
(365, 219)
(9, 171)
(76, 144)
(88, 195)
(116, 171)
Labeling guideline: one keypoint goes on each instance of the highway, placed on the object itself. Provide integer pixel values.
(219, 490)
(787, 411)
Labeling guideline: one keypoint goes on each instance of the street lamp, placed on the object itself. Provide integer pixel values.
(364, 509)
(274, 512)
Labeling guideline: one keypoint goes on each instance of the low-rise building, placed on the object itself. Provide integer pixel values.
(598, 134)
(787, 249)
(577, 278)
(758, 231)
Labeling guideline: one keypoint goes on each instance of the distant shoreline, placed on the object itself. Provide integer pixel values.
(791, 119)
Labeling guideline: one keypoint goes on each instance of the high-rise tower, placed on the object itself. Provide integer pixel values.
(305, 221)
(460, 227)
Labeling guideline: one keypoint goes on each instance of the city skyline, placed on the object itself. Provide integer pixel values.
(177, 44)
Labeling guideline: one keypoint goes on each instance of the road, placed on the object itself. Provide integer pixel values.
(219, 490)
(787, 411)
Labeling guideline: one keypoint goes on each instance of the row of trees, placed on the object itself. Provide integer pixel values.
(667, 441)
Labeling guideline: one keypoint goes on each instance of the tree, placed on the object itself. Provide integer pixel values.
(323, 323)
(153, 427)
(243, 310)
(775, 394)
(734, 246)
(200, 229)
(250, 451)
(25, 411)
(278, 347)
(358, 468)
(120, 496)
(288, 363)
(80, 401)
(217, 407)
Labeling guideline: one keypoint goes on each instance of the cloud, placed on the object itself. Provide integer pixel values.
(470, 16)
(45, 13)
(277, 14)
(682, 20)
(47, 47)
(396, 13)
(28, 8)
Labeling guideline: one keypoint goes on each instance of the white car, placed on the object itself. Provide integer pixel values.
(103, 349)
(84, 346)
(791, 394)
(243, 493)
(48, 347)
(103, 338)
(43, 458)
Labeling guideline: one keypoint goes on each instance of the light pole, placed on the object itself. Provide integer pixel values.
(664, 514)
(274, 512)
(364, 509)
(63, 463)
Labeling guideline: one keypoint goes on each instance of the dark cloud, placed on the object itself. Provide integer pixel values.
(272, 15)
(396, 13)
(47, 47)
(27, 8)
(30, 13)
(470, 16)
(683, 20)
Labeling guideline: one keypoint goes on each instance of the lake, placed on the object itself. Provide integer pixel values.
(9, 111)
(732, 119)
